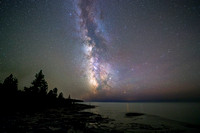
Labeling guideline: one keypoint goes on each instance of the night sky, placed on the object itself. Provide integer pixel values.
(104, 50)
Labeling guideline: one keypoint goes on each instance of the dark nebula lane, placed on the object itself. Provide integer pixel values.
(94, 42)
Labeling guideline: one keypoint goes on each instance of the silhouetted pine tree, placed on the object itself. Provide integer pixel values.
(10, 84)
(60, 96)
(55, 90)
(50, 94)
(33, 98)
(39, 85)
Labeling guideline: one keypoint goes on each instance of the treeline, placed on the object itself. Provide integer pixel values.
(34, 97)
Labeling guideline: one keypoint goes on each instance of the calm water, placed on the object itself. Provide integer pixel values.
(184, 112)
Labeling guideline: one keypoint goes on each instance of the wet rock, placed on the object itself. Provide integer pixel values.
(134, 114)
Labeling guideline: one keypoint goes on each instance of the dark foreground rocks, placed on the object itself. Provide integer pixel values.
(133, 114)
(61, 120)
(73, 120)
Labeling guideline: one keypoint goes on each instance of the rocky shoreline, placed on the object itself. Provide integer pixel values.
(74, 120)
(62, 120)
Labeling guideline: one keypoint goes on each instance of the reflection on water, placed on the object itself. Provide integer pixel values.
(127, 107)
(184, 112)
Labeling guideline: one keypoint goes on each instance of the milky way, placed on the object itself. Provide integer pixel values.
(95, 45)
(104, 50)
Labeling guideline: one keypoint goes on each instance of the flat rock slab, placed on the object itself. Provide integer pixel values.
(133, 114)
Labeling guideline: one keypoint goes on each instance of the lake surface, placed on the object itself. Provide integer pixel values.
(183, 112)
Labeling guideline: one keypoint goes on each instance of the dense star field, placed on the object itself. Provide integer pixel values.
(104, 50)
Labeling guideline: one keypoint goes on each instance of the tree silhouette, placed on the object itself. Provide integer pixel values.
(34, 97)
(50, 94)
(60, 96)
(10, 84)
(39, 85)
(53, 93)
(55, 90)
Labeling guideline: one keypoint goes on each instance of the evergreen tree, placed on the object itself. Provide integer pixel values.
(10, 84)
(50, 94)
(60, 96)
(55, 90)
(53, 93)
(39, 85)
